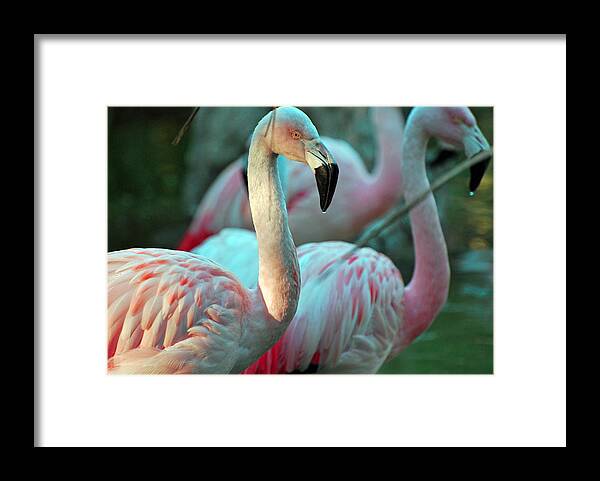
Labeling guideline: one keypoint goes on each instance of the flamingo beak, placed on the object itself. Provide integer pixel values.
(325, 169)
(474, 143)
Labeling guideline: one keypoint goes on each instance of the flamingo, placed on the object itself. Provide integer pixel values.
(174, 312)
(357, 314)
(360, 198)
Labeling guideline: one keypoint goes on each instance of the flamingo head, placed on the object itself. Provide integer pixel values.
(289, 132)
(458, 127)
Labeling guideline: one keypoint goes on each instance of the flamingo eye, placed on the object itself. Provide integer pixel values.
(295, 135)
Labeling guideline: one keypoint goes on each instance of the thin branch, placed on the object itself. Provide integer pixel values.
(185, 127)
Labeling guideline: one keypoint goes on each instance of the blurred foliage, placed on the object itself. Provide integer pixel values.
(145, 177)
(154, 188)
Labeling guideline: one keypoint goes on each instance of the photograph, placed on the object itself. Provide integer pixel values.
(262, 240)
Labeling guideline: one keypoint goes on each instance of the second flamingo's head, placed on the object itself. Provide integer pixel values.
(458, 127)
(289, 132)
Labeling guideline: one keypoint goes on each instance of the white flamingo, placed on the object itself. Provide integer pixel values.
(355, 315)
(172, 312)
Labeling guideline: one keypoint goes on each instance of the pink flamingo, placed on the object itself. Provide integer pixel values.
(355, 315)
(173, 312)
(360, 198)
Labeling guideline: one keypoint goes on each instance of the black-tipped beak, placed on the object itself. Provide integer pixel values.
(477, 173)
(326, 170)
(475, 143)
(326, 176)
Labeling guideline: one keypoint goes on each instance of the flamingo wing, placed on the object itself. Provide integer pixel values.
(348, 314)
(172, 312)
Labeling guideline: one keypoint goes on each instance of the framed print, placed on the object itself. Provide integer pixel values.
(354, 236)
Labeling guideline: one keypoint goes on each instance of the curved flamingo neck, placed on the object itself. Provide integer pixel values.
(278, 272)
(385, 187)
(428, 289)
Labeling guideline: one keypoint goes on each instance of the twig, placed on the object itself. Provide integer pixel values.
(185, 127)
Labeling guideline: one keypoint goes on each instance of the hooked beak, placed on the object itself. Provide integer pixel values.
(325, 169)
(474, 143)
